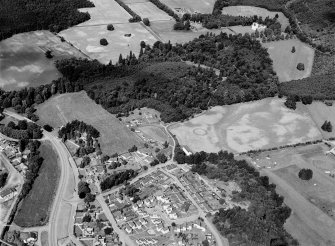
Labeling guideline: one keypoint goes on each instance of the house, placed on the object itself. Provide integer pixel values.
(255, 26)
(165, 230)
(143, 221)
(186, 150)
(128, 229)
(8, 194)
(173, 216)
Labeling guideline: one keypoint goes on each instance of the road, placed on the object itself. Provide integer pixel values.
(67, 171)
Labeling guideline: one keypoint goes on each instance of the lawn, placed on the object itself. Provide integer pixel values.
(320, 112)
(23, 62)
(200, 6)
(247, 126)
(34, 210)
(149, 10)
(285, 62)
(251, 11)
(87, 39)
(155, 132)
(115, 137)
(313, 201)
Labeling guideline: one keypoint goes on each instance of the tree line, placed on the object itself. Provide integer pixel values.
(23, 130)
(117, 179)
(18, 16)
(263, 222)
(135, 17)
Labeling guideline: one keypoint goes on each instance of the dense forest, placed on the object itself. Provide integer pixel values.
(321, 87)
(263, 222)
(18, 16)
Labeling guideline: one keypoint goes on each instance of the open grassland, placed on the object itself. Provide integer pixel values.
(23, 62)
(60, 109)
(200, 6)
(285, 62)
(312, 202)
(34, 210)
(154, 132)
(105, 12)
(150, 11)
(247, 126)
(252, 11)
(320, 112)
(87, 39)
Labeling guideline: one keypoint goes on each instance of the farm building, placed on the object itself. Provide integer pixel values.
(255, 26)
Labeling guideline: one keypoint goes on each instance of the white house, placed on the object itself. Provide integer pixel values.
(255, 26)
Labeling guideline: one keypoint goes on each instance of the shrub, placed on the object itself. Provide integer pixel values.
(301, 66)
(146, 21)
(291, 103)
(48, 128)
(293, 49)
(103, 42)
(327, 126)
(48, 54)
(305, 174)
(110, 27)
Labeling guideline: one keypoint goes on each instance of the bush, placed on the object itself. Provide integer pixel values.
(146, 21)
(301, 66)
(110, 27)
(293, 49)
(291, 103)
(48, 54)
(162, 158)
(103, 42)
(327, 126)
(305, 174)
(48, 128)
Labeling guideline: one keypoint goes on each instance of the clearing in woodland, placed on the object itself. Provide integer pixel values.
(34, 210)
(247, 126)
(285, 62)
(114, 136)
(312, 202)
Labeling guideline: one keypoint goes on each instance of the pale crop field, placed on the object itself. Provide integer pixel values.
(285, 62)
(247, 126)
(114, 136)
(105, 12)
(150, 11)
(251, 11)
(87, 39)
(200, 6)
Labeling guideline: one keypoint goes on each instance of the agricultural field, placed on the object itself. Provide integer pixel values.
(115, 137)
(23, 62)
(105, 12)
(312, 202)
(251, 11)
(320, 112)
(149, 10)
(87, 39)
(43, 190)
(199, 6)
(285, 62)
(247, 126)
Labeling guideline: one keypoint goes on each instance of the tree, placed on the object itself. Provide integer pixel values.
(166, 144)
(48, 54)
(327, 126)
(291, 103)
(293, 49)
(108, 230)
(110, 27)
(161, 157)
(300, 66)
(3, 179)
(305, 174)
(89, 198)
(146, 21)
(48, 128)
(85, 161)
(87, 218)
(103, 42)
(83, 189)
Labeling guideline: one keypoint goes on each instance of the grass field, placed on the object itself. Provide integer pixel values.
(23, 63)
(312, 202)
(200, 6)
(241, 127)
(105, 12)
(87, 39)
(149, 10)
(44, 238)
(251, 11)
(164, 30)
(34, 210)
(115, 137)
(320, 112)
(285, 62)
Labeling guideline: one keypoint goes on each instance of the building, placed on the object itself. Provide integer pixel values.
(255, 26)
(8, 194)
